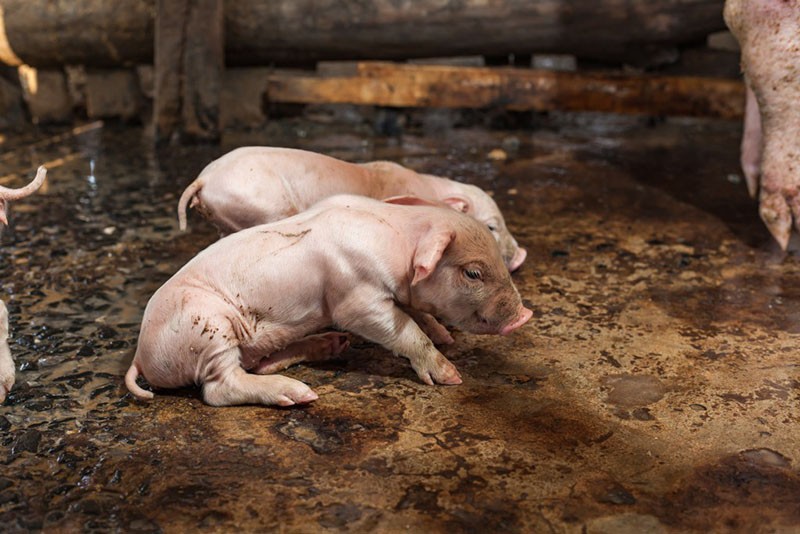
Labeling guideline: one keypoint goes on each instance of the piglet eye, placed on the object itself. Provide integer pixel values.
(492, 227)
(473, 273)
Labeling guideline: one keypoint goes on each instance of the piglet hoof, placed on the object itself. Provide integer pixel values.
(437, 333)
(340, 342)
(292, 392)
(292, 398)
(434, 330)
(442, 338)
(440, 372)
(447, 374)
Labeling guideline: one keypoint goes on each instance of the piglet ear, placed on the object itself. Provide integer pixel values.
(409, 200)
(429, 251)
(458, 203)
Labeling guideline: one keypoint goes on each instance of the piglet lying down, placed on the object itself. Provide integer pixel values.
(257, 185)
(255, 301)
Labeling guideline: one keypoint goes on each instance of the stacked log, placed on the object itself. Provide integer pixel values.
(191, 42)
(98, 33)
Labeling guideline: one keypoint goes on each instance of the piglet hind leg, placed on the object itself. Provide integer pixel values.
(316, 348)
(388, 325)
(231, 385)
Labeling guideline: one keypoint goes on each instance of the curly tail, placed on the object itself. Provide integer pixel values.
(16, 194)
(133, 387)
(189, 194)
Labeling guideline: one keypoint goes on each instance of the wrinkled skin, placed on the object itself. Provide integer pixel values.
(256, 185)
(261, 299)
(6, 362)
(768, 32)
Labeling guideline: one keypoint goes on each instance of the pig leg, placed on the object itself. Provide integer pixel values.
(752, 143)
(768, 32)
(432, 328)
(229, 385)
(315, 348)
(6, 363)
(189, 337)
(381, 321)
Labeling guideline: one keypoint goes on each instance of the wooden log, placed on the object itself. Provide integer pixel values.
(103, 32)
(312, 30)
(97, 33)
(402, 85)
(189, 65)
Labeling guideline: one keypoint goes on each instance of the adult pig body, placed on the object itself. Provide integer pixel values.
(256, 185)
(768, 32)
(258, 298)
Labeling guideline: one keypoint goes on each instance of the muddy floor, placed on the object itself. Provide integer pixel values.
(656, 389)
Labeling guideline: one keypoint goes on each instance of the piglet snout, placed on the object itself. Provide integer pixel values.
(522, 317)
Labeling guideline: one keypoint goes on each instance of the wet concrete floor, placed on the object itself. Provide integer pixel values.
(655, 390)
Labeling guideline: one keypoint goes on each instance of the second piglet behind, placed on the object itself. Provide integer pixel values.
(258, 185)
(258, 300)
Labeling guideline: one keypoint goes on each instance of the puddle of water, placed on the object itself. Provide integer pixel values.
(629, 391)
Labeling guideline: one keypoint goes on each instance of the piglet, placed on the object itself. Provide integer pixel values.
(256, 185)
(6, 362)
(256, 301)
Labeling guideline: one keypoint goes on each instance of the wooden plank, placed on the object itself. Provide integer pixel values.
(403, 85)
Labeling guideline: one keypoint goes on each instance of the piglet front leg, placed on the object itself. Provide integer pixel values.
(387, 324)
(316, 348)
(432, 328)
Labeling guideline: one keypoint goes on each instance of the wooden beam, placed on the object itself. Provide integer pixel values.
(189, 64)
(403, 85)
(104, 33)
